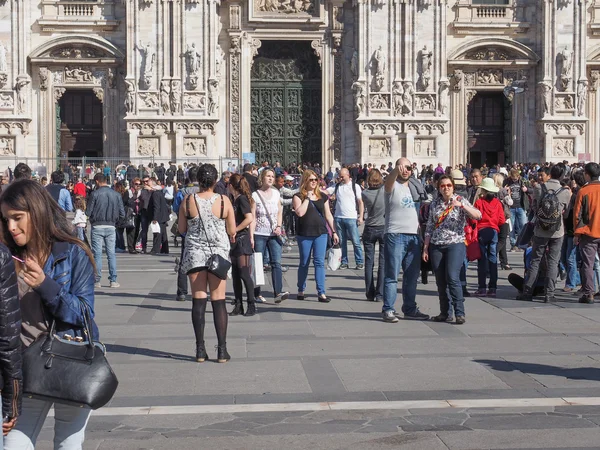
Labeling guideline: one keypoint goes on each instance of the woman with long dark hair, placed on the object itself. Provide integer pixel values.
(208, 222)
(121, 188)
(241, 249)
(374, 200)
(56, 284)
(314, 216)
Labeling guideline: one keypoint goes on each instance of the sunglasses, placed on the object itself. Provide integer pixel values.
(312, 179)
(409, 168)
(137, 184)
(146, 181)
(442, 186)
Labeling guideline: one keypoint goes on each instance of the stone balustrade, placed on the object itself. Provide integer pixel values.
(471, 17)
(82, 15)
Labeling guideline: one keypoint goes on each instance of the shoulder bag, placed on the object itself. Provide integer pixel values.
(279, 238)
(329, 232)
(69, 371)
(216, 264)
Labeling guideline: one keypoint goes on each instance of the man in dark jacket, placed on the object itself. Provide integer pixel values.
(58, 192)
(221, 186)
(251, 179)
(158, 210)
(145, 216)
(160, 172)
(105, 209)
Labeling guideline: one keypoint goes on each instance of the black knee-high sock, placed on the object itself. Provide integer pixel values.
(198, 318)
(244, 274)
(220, 318)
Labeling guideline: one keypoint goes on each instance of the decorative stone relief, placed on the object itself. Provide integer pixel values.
(213, 96)
(397, 98)
(78, 75)
(111, 79)
(425, 148)
(21, 90)
(147, 147)
(57, 77)
(219, 60)
(317, 46)
(380, 148)
(563, 129)
(175, 96)
(77, 53)
(379, 64)
(165, 93)
(7, 101)
(234, 17)
(458, 79)
(426, 128)
(129, 96)
(149, 128)
(545, 89)
(285, 6)
(360, 98)
(425, 102)
(582, 91)
(254, 46)
(194, 128)
(43, 73)
(489, 54)
(148, 100)
(379, 101)
(337, 104)
(564, 103)
(58, 93)
(194, 100)
(470, 95)
(565, 63)
(594, 80)
(3, 59)
(3, 79)
(194, 146)
(408, 97)
(563, 147)
(470, 78)
(234, 86)
(444, 86)
(7, 146)
(99, 92)
(380, 128)
(424, 67)
(490, 76)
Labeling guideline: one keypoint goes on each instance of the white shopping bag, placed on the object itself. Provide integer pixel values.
(509, 225)
(258, 271)
(334, 258)
(155, 227)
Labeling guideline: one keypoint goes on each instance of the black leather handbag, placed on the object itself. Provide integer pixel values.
(69, 371)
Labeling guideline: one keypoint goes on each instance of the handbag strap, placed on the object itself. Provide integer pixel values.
(262, 200)
(319, 213)
(443, 215)
(202, 222)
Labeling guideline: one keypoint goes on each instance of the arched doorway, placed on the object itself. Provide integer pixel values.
(80, 124)
(488, 129)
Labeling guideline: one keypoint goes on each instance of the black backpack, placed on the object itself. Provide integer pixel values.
(549, 212)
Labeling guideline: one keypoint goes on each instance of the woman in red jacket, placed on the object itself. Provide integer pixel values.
(488, 228)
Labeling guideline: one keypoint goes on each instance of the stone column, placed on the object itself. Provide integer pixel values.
(234, 104)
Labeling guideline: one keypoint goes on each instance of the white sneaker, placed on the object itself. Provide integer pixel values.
(114, 284)
(97, 285)
(260, 299)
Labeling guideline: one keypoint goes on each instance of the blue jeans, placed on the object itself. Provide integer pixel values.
(69, 425)
(348, 229)
(488, 263)
(106, 236)
(402, 251)
(274, 247)
(446, 261)
(518, 219)
(372, 236)
(317, 246)
(570, 261)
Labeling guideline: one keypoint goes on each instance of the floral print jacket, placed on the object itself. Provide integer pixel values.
(452, 229)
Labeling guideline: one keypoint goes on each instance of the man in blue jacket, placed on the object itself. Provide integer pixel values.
(105, 209)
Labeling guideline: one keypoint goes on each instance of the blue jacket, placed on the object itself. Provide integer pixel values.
(105, 207)
(69, 281)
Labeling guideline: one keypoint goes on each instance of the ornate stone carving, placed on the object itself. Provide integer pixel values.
(490, 76)
(7, 101)
(99, 92)
(397, 98)
(563, 147)
(149, 100)
(194, 128)
(58, 77)
(379, 64)
(219, 61)
(379, 101)
(458, 79)
(545, 89)
(594, 80)
(254, 46)
(7, 146)
(129, 96)
(147, 147)
(175, 96)
(58, 93)
(426, 128)
(78, 75)
(146, 64)
(234, 86)
(149, 128)
(380, 148)
(111, 79)
(470, 78)
(3, 79)
(286, 6)
(194, 100)
(380, 128)
(489, 54)
(565, 63)
(21, 90)
(564, 129)
(194, 146)
(425, 148)
(337, 105)
(564, 102)
(354, 65)
(213, 97)
(193, 59)
(43, 73)
(470, 95)
(234, 17)
(408, 97)
(425, 57)
(77, 53)
(165, 93)
(425, 102)
(582, 91)
(444, 86)
(317, 46)
(3, 59)
(360, 98)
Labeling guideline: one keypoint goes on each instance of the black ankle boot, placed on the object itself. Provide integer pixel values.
(201, 354)
(251, 310)
(222, 355)
(238, 309)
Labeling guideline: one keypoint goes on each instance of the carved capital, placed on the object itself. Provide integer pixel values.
(99, 92)
(43, 72)
(317, 46)
(58, 93)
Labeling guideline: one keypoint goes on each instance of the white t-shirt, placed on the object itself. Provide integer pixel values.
(345, 202)
(263, 226)
(400, 211)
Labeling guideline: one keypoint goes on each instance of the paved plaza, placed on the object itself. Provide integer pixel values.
(308, 375)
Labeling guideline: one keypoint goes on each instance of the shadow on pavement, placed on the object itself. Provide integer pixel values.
(116, 348)
(579, 373)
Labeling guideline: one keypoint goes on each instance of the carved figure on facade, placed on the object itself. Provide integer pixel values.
(568, 102)
(3, 61)
(379, 67)
(194, 100)
(3, 79)
(43, 73)
(147, 147)
(354, 65)
(147, 63)
(194, 147)
(111, 79)
(425, 147)
(359, 98)
(175, 96)
(193, 58)
(490, 76)
(380, 148)
(444, 86)
(78, 74)
(129, 96)
(7, 101)
(425, 57)
(7, 147)
(213, 96)
(582, 91)
(149, 100)
(489, 54)
(99, 92)
(594, 80)
(234, 17)
(458, 79)
(563, 147)
(545, 96)
(286, 6)
(425, 102)
(408, 97)
(165, 92)
(379, 101)
(219, 61)
(317, 46)
(235, 45)
(58, 93)
(21, 88)
(565, 61)
(397, 97)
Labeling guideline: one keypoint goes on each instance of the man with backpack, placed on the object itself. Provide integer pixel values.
(551, 201)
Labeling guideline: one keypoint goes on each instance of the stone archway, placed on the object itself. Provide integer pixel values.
(489, 65)
(76, 62)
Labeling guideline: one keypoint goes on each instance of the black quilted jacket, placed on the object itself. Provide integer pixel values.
(11, 378)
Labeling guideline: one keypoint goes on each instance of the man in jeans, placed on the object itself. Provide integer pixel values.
(105, 209)
(586, 219)
(349, 210)
(402, 245)
(518, 193)
(547, 241)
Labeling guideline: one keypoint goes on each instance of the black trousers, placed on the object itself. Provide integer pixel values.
(160, 241)
(502, 256)
(133, 234)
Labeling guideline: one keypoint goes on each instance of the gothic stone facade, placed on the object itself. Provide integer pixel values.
(174, 79)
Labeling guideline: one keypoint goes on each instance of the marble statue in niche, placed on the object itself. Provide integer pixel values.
(175, 96)
(359, 98)
(425, 57)
(3, 79)
(213, 96)
(111, 79)
(354, 64)
(219, 61)
(407, 97)
(3, 62)
(129, 96)
(458, 77)
(565, 61)
(193, 59)
(582, 90)
(545, 96)
(379, 67)
(20, 88)
(165, 93)
(43, 72)
(397, 97)
(147, 63)
(444, 86)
